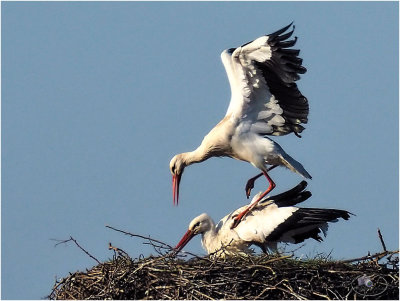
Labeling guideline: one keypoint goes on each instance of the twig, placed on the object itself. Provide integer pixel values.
(381, 238)
(162, 244)
(140, 236)
(117, 250)
(74, 240)
(321, 295)
(278, 258)
(382, 254)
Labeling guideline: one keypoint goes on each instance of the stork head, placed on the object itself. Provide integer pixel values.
(198, 225)
(176, 166)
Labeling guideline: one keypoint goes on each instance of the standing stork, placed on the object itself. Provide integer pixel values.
(265, 100)
(273, 220)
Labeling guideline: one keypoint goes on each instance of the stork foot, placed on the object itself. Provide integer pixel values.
(250, 182)
(235, 223)
(237, 219)
(249, 186)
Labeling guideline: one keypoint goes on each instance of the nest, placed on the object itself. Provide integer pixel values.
(276, 276)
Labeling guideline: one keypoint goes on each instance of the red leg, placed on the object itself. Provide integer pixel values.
(238, 218)
(250, 182)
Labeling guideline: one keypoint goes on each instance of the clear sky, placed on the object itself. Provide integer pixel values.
(98, 97)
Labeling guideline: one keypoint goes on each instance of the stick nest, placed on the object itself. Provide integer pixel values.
(252, 277)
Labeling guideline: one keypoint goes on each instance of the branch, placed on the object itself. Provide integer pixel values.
(381, 238)
(166, 246)
(377, 255)
(74, 240)
(140, 236)
(116, 250)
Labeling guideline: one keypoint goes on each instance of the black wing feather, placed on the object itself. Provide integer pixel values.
(291, 197)
(305, 222)
(303, 219)
(281, 71)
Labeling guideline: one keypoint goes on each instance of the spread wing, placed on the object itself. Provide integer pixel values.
(305, 223)
(262, 76)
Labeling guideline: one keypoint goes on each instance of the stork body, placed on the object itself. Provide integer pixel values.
(274, 219)
(265, 100)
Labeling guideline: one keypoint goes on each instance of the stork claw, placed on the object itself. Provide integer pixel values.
(236, 222)
(238, 218)
(249, 187)
(250, 182)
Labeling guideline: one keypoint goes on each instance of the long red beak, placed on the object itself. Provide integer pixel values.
(185, 239)
(176, 179)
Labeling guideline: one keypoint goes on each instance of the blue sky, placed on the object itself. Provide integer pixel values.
(98, 97)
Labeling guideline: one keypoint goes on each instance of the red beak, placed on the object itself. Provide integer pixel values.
(176, 179)
(185, 239)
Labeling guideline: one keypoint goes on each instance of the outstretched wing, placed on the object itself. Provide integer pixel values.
(262, 76)
(306, 223)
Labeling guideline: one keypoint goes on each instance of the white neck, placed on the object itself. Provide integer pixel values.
(200, 154)
(210, 240)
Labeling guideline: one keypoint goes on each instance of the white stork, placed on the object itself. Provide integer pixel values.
(265, 100)
(273, 220)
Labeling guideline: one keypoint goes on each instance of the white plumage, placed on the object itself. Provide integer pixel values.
(265, 100)
(273, 220)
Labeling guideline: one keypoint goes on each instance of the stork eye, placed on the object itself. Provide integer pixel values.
(196, 225)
